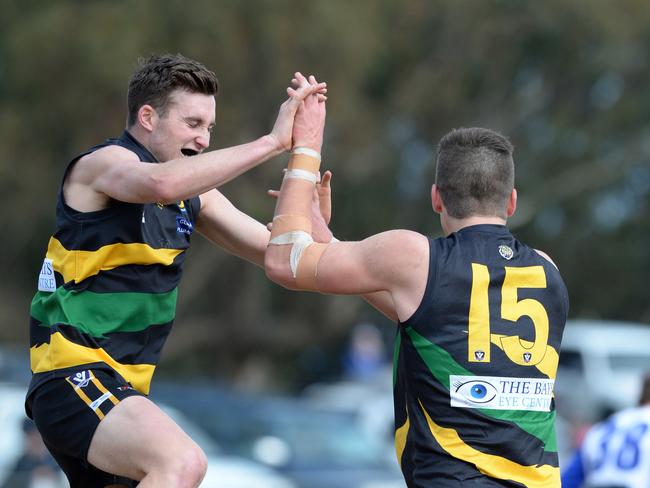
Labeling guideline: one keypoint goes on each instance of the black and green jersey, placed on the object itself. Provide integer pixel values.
(475, 366)
(107, 289)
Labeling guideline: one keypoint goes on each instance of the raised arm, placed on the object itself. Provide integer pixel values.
(394, 262)
(116, 173)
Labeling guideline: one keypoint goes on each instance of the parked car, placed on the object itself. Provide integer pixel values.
(227, 471)
(314, 447)
(600, 369)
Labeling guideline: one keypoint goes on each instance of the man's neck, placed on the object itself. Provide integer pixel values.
(451, 225)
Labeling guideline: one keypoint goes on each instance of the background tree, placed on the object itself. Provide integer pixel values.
(565, 80)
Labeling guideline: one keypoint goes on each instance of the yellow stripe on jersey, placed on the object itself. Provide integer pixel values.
(78, 265)
(400, 439)
(62, 353)
(104, 390)
(547, 366)
(540, 476)
(86, 399)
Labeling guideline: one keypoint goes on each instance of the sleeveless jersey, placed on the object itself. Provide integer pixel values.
(475, 364)
(107, 289)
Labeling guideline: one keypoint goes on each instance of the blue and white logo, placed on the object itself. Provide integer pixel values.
(81, 379)
(183, 225)
(500, 393)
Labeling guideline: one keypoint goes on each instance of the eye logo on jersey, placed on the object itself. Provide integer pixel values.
(475, 391)
(501, 393)
(506, 252)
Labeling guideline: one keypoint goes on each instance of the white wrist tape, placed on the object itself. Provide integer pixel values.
(301, 174)
(307, 152)
(301, 240)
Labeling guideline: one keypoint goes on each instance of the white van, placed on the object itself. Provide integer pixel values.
(601, 366)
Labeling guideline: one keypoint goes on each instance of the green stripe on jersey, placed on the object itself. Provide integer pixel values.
(97, 314)
(442, 364)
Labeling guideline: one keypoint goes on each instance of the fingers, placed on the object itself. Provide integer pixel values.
(325, 179)
(302, 87)
(273, 193)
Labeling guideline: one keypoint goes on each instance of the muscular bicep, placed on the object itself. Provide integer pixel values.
(394, 262)
(112, 172)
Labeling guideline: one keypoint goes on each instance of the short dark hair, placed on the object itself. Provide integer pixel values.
(159, 75)
(475, 172)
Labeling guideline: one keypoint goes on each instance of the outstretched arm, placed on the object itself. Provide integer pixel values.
(394, 262)
(116, 173)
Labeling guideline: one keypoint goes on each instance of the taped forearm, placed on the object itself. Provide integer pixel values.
(294, 227)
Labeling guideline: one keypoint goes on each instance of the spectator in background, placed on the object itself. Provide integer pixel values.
(35, 468)
(365, 356)
(615, 453)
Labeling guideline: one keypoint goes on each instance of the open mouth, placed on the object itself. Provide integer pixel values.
(189, 152)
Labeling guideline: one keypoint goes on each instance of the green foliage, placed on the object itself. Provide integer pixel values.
(565, 80)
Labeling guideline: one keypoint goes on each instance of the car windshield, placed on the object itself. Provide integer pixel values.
(627, 362)
(325, 438)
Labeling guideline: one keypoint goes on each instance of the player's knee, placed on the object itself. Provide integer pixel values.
(189, 467)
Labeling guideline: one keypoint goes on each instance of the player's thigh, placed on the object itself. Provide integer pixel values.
(137, 437)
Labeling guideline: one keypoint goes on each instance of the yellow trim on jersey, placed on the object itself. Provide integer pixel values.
(400, 439)
(62, 353)
(540, 476)
(78, 265)
(86, 399)
(547, 366)
(104, 390)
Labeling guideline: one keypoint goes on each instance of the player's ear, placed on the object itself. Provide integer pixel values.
(147, 117)
(436, 200)
(512, 203)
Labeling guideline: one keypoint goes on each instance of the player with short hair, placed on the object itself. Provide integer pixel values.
(480, 314)
(107, 290)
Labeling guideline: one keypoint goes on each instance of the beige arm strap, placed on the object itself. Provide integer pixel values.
(295, 229)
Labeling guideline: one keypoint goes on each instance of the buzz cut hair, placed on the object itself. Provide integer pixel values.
(475, 172)
(159, 75)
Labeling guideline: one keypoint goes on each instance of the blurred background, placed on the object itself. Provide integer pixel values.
(566, 81)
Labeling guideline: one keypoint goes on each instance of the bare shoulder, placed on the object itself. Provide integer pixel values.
(399, 251)
(95, 163)
(546, 256)
(403, 241)
(110, 154)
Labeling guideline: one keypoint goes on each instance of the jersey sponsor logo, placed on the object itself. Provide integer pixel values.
(501, 393)
(183, 225)
(46, 279)
(506, 252)
(81, 379)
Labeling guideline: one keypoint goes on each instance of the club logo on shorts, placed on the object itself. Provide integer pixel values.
(479, 355)
(506, 252)
(81, 379)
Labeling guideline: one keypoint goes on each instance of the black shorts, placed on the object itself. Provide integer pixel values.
(68, 410)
